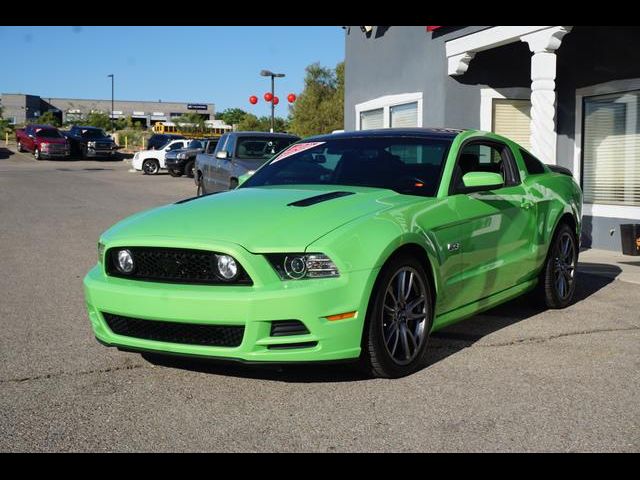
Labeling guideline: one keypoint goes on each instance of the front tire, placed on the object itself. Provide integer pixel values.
(399, 321)
(200, 189)
(175, 172)
(557, 284)
(36, 153)
(150, 167)
(20, 149)
(189, 168)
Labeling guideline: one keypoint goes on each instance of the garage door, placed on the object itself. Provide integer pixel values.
(512, 119)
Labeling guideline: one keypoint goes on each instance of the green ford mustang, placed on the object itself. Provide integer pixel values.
(351, 246)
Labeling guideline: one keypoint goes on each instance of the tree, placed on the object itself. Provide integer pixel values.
(5, 126)
(97, 119)
(49, 118)
(320, 107)
(231, 116)
(263, 124)
(191, 121)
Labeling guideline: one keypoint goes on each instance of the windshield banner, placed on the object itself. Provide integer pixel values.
(297, 148)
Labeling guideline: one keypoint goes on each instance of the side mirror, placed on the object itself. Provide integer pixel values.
(31, 135)
(479, 181)
(222, 154)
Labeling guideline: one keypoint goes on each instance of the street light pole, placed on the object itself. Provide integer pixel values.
(269, 73)
(111, 116)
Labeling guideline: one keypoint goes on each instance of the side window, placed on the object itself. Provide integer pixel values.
(231, 146)
(211, 146)
(222, 143)
(533, 165)
(484, 157)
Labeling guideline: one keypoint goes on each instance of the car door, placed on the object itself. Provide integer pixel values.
(223, 166)
(29, 138)
(498, 225)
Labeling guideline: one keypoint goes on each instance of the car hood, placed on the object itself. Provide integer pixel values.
(259, 219)
(60, 141)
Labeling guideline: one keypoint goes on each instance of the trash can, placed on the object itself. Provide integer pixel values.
(630, 236)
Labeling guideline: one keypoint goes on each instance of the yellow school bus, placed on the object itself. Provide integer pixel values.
(191, 130)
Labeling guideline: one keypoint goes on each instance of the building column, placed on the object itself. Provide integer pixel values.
(543, 45)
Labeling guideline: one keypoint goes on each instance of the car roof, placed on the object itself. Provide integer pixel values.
(42, 126)
(447, 133)
(87, 127)
(263, 134)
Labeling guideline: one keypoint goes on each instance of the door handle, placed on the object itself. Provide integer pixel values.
(526, 204)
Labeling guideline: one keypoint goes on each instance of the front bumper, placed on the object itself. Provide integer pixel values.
(254, 307)
(100, 153)
(174, 163)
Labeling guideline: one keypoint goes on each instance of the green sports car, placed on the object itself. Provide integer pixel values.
(350, 246)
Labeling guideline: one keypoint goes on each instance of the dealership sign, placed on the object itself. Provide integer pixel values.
(196, 106)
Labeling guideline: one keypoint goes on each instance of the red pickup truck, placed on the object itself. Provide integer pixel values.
(44, 141)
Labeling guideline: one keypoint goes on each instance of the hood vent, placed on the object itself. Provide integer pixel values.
(319, 199)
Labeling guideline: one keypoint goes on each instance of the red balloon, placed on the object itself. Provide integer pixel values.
(291, 97)
(276, 100)
(253, 99)
(268, 97)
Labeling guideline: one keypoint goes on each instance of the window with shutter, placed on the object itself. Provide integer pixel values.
(611, 149)
(372, 119)
(404, 115)
(512, 119)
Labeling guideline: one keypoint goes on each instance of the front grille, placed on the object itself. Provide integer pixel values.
(175, 332)
(281, 328)
(174, 265)
(102, 146)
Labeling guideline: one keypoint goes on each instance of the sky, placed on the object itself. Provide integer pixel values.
(219, 65)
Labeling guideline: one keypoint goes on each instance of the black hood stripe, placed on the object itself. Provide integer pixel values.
(319, 198)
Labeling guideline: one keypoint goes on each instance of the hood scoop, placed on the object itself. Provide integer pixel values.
(305, 202)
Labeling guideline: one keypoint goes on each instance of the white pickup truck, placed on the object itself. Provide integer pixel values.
(152, 161)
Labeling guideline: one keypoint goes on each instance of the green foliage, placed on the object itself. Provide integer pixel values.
(320, 107)
(49, 118)
(190, 122)
(96, 119)
(5, 126)
(134, 137)
(263, 124)
(231, 116)
(124, 123)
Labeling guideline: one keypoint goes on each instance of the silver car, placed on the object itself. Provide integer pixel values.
(237, 153)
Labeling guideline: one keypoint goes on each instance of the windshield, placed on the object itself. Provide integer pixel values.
(48, 133)
(406, 165)
(93, 133)
(260, 148)
(194, 144)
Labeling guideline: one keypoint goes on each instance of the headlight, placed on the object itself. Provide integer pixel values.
(44, 146)
(100, 252)
(298, 266)
(124, 262)
(227, 267)
(91, 144)
(181, 156)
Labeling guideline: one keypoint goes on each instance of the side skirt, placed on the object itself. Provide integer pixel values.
(481, 305)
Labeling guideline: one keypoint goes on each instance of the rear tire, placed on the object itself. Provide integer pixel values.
(399, 320)
(557, 285)
(150, 167)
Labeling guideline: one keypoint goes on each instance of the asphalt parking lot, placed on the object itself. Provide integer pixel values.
(513, 379)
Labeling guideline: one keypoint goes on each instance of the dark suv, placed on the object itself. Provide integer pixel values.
(181, 162)
(158, 140)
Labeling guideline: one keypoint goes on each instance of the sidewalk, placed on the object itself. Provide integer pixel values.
(611, 264)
